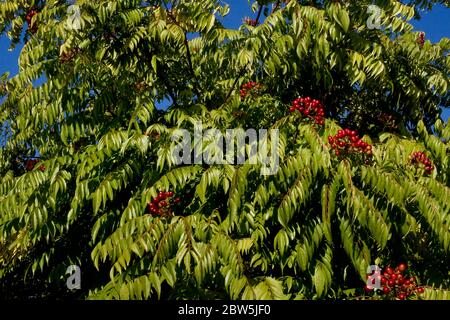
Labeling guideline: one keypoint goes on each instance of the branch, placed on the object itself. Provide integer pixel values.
(276, 6)
(188, 52)
(230, 92)
(259, 14)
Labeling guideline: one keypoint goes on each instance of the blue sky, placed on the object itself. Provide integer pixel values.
(436, 25)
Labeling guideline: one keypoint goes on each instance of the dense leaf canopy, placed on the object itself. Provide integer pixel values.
(99, 147)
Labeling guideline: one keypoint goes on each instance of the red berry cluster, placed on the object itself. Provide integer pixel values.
(249, 87)
(395, 283)
(250, 22)
(31, 163)
(140, 86)
(310, 108)
(347, 142)
(161, 205)
(421, 39)
(419, 159)
(153, 134)
(68, 56)
(388, 120)
(30, 14)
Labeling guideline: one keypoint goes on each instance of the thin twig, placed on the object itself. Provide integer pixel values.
(230, 92)
(188, 52)
(259, 14)
(276, 6)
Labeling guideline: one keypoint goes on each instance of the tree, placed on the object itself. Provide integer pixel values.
(87, 160)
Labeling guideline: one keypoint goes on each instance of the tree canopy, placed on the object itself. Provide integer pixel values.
(88, 150)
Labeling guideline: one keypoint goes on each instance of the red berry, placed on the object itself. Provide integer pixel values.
(386, 290)
(163, 204)
(420, 290)
(177, 200)
(402, 296)
(402, 267)
(391, 283)
(389, 270)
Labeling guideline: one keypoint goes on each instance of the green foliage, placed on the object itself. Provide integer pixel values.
(309, 231)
